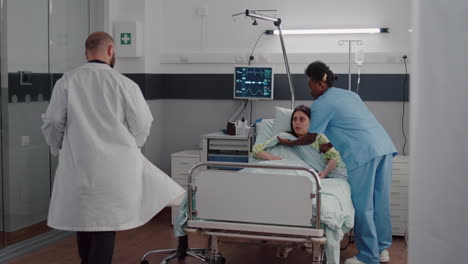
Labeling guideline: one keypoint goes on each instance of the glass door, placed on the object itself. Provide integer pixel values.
(3, 101)
(43, 39)
(26, 178)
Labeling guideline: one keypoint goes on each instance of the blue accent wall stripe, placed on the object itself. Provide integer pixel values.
(374, 87)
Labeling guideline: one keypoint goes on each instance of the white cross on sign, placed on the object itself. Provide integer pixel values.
(125, 38)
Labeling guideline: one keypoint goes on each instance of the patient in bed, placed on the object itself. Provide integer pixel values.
(337, 212)
(299, 125)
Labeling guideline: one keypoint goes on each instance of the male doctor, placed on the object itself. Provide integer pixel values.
(97, 121)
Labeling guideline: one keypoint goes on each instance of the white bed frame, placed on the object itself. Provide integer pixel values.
(244, 207)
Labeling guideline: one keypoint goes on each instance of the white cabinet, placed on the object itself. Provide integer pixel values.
(221, 147)
(181, 162)
(399, 196)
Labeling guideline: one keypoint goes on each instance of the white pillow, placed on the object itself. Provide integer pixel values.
(264, 131)
(282, 122)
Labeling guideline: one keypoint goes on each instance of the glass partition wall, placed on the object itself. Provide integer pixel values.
(3, 101)
(40, 39)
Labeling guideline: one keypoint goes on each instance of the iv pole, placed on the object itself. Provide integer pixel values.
(350, 41)
(277, 23)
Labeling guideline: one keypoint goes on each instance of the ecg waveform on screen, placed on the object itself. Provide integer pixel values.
(246, 92)
(253, 83)
(255, 72)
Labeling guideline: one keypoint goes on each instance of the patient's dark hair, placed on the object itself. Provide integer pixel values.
(302, 108)
(317, 70)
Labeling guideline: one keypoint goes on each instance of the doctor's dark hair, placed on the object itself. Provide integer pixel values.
(302, 108)
(316, 71)
(96, 40)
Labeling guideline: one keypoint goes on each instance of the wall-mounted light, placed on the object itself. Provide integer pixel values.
(328, 31)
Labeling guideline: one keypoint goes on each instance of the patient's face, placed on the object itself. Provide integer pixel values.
(300, 123)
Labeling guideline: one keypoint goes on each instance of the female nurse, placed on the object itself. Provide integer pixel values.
(367, 151)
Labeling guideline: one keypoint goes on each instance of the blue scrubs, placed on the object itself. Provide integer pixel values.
(367, 150)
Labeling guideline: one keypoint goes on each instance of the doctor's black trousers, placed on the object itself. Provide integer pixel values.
(96, 247)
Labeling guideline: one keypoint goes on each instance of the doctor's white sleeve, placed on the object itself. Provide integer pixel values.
(55, 118)
(138, 115)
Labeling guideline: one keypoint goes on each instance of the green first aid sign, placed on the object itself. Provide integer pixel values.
(125, 38)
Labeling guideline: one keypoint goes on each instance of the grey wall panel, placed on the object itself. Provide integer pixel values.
(373, 87)
(154, 89)
(197, 86)
(140, 79)
(40, 84)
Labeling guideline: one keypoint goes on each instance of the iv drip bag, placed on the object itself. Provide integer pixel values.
(359, 56)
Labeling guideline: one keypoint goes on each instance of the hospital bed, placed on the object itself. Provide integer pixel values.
(289, 208)
(239, 206)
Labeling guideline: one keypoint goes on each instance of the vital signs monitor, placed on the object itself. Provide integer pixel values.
(253, 83)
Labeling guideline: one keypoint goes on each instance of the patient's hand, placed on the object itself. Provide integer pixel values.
(275, 158)
(323, 174)
(265, 155)
(283, 141)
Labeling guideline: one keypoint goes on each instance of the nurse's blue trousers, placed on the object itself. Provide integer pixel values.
(370, 191)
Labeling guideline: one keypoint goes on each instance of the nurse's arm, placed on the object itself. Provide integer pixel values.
(324, 148)
(307, 139)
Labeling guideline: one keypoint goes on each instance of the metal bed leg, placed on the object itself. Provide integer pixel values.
(282, 253)
(319, 256)
(216, 257)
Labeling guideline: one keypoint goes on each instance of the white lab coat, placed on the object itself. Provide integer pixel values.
(97, 121)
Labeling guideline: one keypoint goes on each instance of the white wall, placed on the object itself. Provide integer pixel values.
(438, 209)
(218, 39)
(177, 40)
(148, 12)
(153, 35)
(222, 34)
(182, 41)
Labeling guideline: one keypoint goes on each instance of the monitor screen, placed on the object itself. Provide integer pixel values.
(253, 83)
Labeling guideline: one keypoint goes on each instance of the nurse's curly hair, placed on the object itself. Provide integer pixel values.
(319, 71)
(304, 109)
